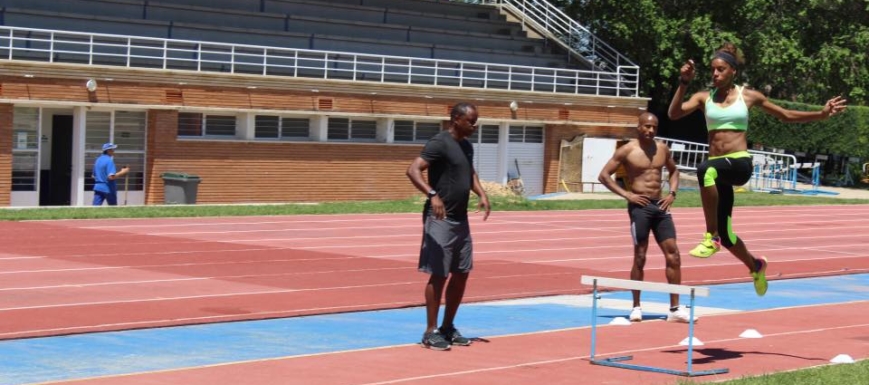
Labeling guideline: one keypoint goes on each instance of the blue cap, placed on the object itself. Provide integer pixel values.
(109, 146)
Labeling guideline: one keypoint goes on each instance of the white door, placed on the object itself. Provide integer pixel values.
(525, 157)
(485, 141)
(595, 153)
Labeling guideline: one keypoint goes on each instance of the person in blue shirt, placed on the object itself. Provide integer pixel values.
(105, 176)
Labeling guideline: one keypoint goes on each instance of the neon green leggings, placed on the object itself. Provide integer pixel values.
(724, 172)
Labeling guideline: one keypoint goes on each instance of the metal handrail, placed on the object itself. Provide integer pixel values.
(555, 24)
(57, 46)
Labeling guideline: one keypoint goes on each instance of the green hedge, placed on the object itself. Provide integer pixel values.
(844, 134)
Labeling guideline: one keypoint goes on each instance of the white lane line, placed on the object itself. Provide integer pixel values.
(443, 374)
(262, 292)
(843, 210)
(549, 222)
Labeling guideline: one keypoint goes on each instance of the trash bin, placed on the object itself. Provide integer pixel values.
(180, 188)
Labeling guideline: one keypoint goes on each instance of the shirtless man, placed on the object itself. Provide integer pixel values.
(643, 159)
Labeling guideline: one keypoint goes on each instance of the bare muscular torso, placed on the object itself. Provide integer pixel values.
(643, 164)
(723, 142)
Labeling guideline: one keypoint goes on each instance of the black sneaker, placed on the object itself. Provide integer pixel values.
(435, 341)
(454, 337)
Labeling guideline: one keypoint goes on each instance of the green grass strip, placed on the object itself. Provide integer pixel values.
(842, 374)
(686, 199)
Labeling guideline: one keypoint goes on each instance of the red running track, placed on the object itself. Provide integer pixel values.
(63, 277)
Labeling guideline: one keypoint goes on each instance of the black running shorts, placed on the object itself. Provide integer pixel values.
(650, 218)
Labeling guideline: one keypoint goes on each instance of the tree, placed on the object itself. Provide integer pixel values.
(800, 50)
(845, 134)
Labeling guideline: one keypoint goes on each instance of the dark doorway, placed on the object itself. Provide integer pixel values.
(57, 182)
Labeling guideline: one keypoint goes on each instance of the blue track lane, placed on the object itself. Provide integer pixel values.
(100, 354)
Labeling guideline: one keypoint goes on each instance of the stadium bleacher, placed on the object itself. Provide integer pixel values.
(423, 29)
(220, 21)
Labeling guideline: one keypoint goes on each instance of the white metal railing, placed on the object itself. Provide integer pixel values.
(171, 54)
(772, 171)
(555, 24)
(687, 155)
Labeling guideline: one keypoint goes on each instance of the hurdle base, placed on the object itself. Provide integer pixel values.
(617, 362)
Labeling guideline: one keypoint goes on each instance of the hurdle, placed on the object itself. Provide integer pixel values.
(646, 286)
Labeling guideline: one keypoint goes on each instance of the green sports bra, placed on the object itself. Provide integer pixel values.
(732, 117)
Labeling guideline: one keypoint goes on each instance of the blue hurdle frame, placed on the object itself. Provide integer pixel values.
(617, 361)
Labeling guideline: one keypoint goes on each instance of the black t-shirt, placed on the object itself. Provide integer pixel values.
(450, 173)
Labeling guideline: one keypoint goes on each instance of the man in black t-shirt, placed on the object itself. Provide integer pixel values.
(446, 246)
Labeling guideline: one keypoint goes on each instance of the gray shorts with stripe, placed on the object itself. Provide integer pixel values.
(446, 247)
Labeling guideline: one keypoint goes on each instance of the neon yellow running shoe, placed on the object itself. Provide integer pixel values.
(710, 245)
(759, 276)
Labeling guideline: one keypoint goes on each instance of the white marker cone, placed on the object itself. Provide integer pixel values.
(842, 359)
(751, 333)
(696, 342)
(620, 321)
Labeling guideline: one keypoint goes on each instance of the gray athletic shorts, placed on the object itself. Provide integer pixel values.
(446, 247)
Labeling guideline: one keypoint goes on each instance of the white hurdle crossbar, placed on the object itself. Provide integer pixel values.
(692, 291)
